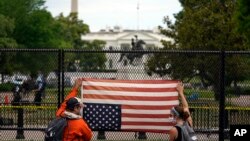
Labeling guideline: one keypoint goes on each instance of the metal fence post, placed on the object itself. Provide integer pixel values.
(142, 136)
(101, 135)
(20, 119)
(59, 78)
(63, 61)
(20, 133)
(222, 97)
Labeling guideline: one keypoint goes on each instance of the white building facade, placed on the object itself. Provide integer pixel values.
(119, 39)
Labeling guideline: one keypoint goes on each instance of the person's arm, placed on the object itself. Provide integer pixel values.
(73, 93)
(87, 133)
(82, 130)
(173, 133)
(38, 87)
(180, 89)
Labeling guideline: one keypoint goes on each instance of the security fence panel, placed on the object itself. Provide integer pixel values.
(216, 86)
(237, 88)
(28, 92)
(199, 72)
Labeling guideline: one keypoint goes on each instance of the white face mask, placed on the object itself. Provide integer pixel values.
(82, 107)
(172, 119)
(81, 111)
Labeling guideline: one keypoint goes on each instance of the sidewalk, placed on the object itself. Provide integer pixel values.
(115, 136)
(243, 101)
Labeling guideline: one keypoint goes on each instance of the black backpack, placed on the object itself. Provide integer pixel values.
(54, 131)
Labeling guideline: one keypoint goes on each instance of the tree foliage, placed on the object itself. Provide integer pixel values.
(93, 61)
(72, 28)
(202, 25)
(6, 41)
(19, 11)
(243, 18)
(7, 27)
(27, 24)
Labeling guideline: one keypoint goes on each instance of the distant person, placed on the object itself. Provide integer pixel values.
(16, 93)
(77, 128)
(28, 85)
(40, 89)
(180, 116)
(136, 38)
(133, 43)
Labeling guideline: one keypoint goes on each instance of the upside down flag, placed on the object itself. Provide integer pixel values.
(129, 105)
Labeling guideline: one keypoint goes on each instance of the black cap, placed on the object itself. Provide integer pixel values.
(72, 102)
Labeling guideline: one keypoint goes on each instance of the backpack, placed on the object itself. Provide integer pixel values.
(187, 132)
(54, 131)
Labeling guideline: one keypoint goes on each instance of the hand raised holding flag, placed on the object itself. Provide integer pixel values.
(184, 103)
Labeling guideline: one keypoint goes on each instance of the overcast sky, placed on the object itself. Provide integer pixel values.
(99, 14)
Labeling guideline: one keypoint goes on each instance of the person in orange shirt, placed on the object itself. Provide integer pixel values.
(77, 128)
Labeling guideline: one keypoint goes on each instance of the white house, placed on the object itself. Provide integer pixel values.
(117, 38)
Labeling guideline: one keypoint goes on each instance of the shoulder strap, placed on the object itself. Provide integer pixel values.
(190, 131)
(188, 127)
(184, 133)
(180, 135)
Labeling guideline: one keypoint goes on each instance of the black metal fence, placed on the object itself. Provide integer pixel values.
(217, 86)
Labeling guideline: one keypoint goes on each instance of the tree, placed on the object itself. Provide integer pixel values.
(7, 27)
(6, 41)
(73, 29)
(202, 25)
(37, 33)
(31, 29)
(19, 11)
(243, 18)
(35, 28)
(93, 61)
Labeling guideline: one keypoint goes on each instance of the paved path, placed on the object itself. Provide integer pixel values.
(30, 96)
(128, 136)
(243, 100)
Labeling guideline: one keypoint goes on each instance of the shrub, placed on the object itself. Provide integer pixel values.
(6, 87)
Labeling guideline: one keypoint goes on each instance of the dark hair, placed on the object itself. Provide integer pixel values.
(71, 103)
(182, 114)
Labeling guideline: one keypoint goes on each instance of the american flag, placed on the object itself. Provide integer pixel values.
(129, 105)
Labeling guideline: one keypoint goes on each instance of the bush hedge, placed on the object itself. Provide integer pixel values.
(6, 87)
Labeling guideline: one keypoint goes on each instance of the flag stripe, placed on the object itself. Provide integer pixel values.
(150, 123)
(132, 98)
(146, 111)
(145, 115)
(129, 85)
(117, 89)
(142, 105)
(128, 93)
(166, 131)
(131, 81)
(147, 107)
(146, 127)
(172, 102)
(125, 119)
